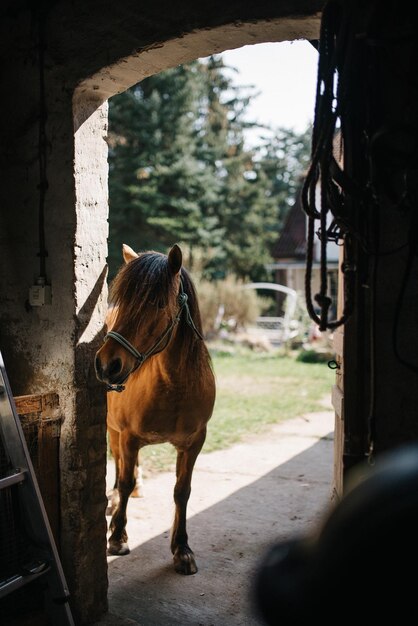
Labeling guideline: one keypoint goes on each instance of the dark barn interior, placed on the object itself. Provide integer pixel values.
(61, 60)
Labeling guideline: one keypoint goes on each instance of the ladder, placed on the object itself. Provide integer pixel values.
(20, 498)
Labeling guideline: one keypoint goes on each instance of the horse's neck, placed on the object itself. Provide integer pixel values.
(183, 354)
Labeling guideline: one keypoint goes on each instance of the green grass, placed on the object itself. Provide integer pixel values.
(253, 392)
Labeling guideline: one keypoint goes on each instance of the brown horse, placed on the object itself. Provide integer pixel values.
(156, 359)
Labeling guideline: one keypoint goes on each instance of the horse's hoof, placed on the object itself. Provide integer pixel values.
(184, 561)
(118, 548)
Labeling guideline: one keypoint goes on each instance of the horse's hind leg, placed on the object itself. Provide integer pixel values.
(138, 491)
(184, 561)
(118, 541)
(114, 448)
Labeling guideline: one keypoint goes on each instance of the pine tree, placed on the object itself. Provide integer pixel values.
(180, 172)
(222, 146)
(157, 184)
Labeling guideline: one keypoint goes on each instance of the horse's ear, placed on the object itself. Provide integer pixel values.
(128, 253)
(175, 259)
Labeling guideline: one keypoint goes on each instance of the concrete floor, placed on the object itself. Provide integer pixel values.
(267, 488)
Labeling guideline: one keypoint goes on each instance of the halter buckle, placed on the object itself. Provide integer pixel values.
(118, 388)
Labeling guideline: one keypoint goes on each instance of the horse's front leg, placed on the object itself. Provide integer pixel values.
(184, 561)
(128, 448)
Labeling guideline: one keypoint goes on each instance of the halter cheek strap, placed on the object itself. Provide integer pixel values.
(143, 356)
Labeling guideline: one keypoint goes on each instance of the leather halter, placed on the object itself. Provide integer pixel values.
(141, 357)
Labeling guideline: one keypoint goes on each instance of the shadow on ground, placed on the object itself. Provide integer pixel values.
(228, 538)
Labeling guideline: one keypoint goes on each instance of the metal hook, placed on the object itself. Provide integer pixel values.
(333, 365)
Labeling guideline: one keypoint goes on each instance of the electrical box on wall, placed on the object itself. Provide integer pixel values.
(40, 293)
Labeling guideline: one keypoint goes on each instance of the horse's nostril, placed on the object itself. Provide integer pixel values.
(114, 367)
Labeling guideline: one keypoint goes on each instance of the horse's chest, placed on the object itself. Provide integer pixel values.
(166, 410)
(159, 411)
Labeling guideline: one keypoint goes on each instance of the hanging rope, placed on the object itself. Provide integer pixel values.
(333, 181)
(381, 155)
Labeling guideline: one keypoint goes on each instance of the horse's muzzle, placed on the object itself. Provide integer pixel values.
(110, 372)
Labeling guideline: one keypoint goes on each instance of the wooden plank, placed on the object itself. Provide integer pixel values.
(37, 403)
(28, 404)
(338, 404)
(48, 472)
(338, 392)
(338, 485)
(50, 404)
(337, 399)
(338, 340)
(40, 419)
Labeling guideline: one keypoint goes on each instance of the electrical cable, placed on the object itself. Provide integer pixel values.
(42, 143)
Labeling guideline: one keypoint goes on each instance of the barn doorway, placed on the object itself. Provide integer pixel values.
(146, 532)
(90, 119)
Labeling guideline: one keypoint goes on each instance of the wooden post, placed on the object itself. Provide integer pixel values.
(338, 393)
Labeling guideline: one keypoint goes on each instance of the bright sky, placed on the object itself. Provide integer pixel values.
(285, 75)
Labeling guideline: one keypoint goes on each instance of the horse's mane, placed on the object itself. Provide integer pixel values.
(142, 282)
(148, 280)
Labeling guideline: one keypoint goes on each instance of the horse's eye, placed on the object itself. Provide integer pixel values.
(161, 303)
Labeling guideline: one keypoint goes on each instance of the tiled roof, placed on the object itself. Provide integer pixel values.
(292, 240)
(291, 243)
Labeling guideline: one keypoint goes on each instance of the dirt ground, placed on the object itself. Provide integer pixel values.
(269, 487)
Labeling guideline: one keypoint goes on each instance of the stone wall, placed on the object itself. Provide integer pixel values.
(93, 50)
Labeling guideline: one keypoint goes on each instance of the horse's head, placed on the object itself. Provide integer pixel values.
(145, 295)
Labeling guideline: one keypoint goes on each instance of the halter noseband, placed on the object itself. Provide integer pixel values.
(141, 357)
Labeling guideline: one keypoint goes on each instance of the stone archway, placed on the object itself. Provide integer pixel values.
(90, 117)
(93, 52)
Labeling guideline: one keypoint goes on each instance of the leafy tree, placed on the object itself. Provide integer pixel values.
(284, 158)
(240, 207)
